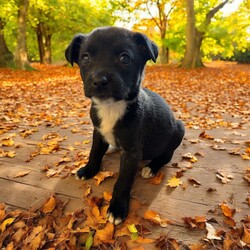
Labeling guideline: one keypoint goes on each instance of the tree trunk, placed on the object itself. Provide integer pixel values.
(44, 43)
(191, 51)
(39, 35)
(194, 37)
(21, 58)
(48, 48)
(6, 57)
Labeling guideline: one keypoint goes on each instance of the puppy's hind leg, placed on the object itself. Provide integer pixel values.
(153, 167)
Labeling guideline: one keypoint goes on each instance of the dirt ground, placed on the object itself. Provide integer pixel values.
(211, 163)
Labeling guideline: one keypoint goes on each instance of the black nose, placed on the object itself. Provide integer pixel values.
(100, 81)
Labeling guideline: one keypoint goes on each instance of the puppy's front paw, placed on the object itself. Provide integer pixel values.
(85, 173)
(147, 173)
(118, 211)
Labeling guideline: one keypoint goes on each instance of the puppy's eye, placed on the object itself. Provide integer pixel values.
(125, 58)
(86, 58)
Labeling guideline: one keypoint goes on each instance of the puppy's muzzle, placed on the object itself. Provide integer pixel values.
(100, 81)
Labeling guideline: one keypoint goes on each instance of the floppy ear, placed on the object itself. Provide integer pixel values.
(73, 50)
(150, 49)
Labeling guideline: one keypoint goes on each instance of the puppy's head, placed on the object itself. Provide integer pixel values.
(111, 61)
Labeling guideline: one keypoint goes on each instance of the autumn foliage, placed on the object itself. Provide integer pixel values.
(52, 97)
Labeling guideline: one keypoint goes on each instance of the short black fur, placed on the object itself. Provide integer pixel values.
(112, 62)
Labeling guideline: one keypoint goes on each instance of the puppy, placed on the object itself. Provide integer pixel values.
(124, 115)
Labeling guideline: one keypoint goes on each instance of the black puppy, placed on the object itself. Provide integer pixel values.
(124, 115)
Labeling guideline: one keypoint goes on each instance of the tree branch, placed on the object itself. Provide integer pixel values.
(212, 12)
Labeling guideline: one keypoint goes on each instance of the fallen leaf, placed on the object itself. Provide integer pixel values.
(88, 191)
(194, 182)
(104, 235)
(50, 205)
(7, 142)
(211, 232)
(22, 174)
(204, 135)
(90, 240)
(165, 242)
(155, 218)
(133, 230)
(6, 223)
(190, 157)
(246, 234)
(142, 240)
(101, 176)
(224, 177)
(174, 182)
(227, 211)
(197, 222)
(107, 196)
(157, 179)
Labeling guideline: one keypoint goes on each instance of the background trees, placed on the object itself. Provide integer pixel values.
(48, 25)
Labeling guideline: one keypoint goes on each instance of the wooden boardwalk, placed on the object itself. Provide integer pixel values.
(188, 200)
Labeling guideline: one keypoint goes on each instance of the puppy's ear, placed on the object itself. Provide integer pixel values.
(150, 49)
(73, 50)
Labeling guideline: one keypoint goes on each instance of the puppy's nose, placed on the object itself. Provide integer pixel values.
(100, 81)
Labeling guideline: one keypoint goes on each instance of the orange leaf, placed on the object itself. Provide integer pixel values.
(49, 205)
(155, 217)
(227, 211)
(107, 196)
(101, 176)
(104, 235)
(156, 180)
(142, 240)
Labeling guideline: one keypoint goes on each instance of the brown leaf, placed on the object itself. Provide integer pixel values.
(194, 182)
(204, 135)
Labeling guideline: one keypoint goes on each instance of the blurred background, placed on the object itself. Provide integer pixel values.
(40, 30)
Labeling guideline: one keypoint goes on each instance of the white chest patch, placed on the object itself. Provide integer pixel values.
(109, 112)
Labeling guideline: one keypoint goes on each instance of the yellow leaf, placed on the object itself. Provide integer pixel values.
(11, 154)
(174, 182)
(7, 142)
(49, 205)
(6, 223)
(132, 228)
